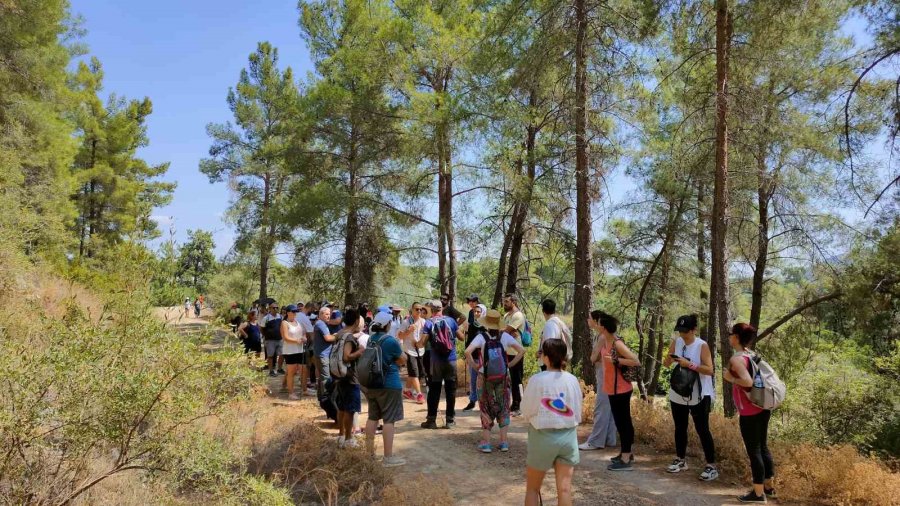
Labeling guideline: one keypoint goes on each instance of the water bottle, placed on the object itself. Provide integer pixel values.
(757, 381)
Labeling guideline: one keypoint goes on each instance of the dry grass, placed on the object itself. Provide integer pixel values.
(804, 472)
(419, 490)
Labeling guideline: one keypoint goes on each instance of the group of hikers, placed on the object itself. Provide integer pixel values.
(339, 356)
(196, 306)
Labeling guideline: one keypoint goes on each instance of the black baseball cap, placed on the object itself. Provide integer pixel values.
(472, 298)
(686, 323)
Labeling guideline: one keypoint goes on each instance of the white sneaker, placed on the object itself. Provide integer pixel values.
(350, 443)
(709, 474)
(588, 447)
(340, 441)
(677, 466)
(393, 461)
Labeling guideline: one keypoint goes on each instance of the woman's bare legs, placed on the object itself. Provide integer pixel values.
(564, 474)
(533, 480)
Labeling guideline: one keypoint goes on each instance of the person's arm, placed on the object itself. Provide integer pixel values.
(667, 360)
(706, 362)
(737, 373)
(241, 330)
(461, 330)
(349, 354)
(626, 356)
(595, 353)
(401, 360)
(306, 323)
(469, 359)
(520, 353)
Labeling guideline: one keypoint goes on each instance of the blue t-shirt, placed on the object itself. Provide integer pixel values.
(320, 345)
(451, 323)
(390, 352)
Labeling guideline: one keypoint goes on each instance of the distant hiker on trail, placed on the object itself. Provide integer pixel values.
(197, 308)
(385, 401)
(552, 408)
(271, 327)
(754, 421)
(616, 355)
(294, 339)
(472, 327)
(514, 325)
(691, 392)
(441, 332)
(486, 356)
(251, 335)
(603, 434)
(554, 328)
(413, 339)
(347, 394)
(187, 307)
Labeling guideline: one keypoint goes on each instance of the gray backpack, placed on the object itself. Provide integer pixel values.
(768, 390)
(369, 367)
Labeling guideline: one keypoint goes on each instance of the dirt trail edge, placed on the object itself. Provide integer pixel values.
(499, 478)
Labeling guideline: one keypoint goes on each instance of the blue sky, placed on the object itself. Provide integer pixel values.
(185, 55)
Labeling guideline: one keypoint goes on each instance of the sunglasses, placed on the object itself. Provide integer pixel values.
(421, 310)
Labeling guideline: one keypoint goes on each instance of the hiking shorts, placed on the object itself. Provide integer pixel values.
(546, 446)
(347, 397)
(273, 348)
(415, 366)
(385, 404)
(295, 358)
(252, 345)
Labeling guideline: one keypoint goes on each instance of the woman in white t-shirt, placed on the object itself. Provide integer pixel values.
(293, 337)
(552, 407)
(413, 340)
(695, 362)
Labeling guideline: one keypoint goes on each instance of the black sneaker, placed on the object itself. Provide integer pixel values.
(429, 424)
(621, 465)
(770, 493)
(379, 429)
(618, 458)
(752, 497)
(469, 407)
(281, 372)
(272, 374)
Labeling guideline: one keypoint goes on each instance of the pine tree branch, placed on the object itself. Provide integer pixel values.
(784, 319)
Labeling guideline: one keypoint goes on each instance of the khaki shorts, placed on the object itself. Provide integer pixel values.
(385, 404)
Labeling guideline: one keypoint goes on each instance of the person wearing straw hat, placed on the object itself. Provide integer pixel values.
(492, 383)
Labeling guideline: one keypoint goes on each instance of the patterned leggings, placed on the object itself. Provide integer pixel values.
(493, 399)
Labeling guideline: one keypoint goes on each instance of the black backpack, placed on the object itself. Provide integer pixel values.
(273, 329)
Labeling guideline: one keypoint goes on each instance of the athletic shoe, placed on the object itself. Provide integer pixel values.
(618, 458)
(393, 461)
(709, 474)
(408, 395)
(677, 466)
(752, 497)
(470, 406)
(485, 447)
(311, 391)
(272, 374)
(351, 443)
(281, 372)
(429, 424)
(515, 413)
(294, 397)
(621, 465)
(503, 447)
(420, 399)
(449, 425)
(340, 441)
(770, 493)
(588, 447)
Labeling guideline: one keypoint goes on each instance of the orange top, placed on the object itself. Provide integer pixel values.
(610, 373)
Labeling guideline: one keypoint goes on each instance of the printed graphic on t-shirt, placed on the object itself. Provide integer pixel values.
(558, 405)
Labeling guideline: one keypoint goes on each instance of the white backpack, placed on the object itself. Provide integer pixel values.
(768, 390)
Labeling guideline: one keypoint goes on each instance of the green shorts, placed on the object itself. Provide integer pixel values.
(547, 446)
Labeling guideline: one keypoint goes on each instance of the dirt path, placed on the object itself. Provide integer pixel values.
(498, 478)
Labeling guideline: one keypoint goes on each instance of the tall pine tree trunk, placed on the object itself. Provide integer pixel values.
(521, 217)
(720, 296)
(351, 230)
(584, 282)
(762, 240)
(701, 260)
(265, 250)
(501, 266)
